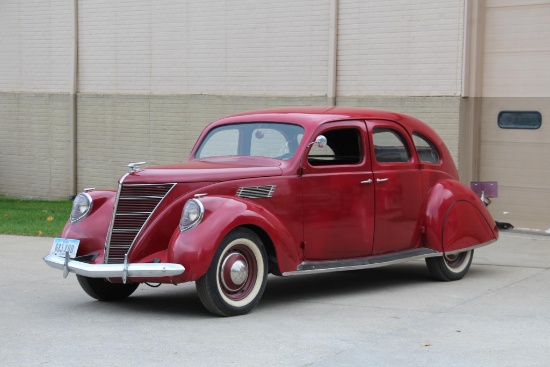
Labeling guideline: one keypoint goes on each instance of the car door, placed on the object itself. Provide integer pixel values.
(338, 194)
(398, 188)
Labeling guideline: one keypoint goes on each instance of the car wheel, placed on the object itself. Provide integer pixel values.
(103, 290)
(450, 267)
(236, 278)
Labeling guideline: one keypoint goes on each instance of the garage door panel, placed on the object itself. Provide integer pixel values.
(534, 156)
(521, 178)
(522, 207)
(516, 50)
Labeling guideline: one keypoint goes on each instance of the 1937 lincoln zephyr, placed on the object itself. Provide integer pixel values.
(283, 191)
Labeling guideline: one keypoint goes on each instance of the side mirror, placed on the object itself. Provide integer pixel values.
(320, 141)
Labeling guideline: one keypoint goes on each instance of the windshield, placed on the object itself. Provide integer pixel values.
(257, 139)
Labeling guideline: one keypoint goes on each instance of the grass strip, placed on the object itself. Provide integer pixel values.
(33, 217)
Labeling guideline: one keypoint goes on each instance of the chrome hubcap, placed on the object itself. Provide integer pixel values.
(234, 272)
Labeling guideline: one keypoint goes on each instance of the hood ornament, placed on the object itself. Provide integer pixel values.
(134, 167)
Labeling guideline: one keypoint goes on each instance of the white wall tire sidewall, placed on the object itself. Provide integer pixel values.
(259, 274)
(463, 266)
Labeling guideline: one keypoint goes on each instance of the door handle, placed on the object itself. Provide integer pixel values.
(367, 181)
(382, 179)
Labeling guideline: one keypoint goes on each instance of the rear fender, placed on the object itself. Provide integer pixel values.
(195, 248)
(456, 219)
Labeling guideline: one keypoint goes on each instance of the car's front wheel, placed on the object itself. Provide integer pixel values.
(450, 267)
(103, 290)
(236, 279)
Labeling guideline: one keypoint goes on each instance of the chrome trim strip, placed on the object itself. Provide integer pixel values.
(313, 267)
(469, 248)
(110, 231)
(85, 214)
(256, 192)
(148, 270)
(197, 221)
(141, 197)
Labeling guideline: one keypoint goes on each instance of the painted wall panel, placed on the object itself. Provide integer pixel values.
(400, 47)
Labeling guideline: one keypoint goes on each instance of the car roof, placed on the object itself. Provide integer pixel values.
(314, 116)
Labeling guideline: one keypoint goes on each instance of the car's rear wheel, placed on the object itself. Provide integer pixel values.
(450, 267)
(235, 281)
(103, 290)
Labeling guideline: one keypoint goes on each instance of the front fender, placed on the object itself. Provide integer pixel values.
(92, 230)
(456, 219)
(195, 248)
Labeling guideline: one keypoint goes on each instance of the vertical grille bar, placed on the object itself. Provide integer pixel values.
(134, 206)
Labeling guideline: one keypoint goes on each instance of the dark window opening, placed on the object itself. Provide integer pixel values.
(343, 147)
(519, 120)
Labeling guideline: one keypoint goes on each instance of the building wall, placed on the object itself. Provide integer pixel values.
(33, 144)
(400, 48)
(35, 64)
(516, 76)
(151, 75)
(213, 47)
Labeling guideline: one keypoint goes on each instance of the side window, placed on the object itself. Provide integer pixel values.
(389, 146)
(343, 147)
(425, 149)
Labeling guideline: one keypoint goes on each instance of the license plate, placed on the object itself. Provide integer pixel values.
(62, 245)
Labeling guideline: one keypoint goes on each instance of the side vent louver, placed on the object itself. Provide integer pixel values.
(256, 192)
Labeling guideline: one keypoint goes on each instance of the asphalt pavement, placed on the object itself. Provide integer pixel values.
(498, 315)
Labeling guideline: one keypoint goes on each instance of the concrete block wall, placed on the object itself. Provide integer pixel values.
(34, 145)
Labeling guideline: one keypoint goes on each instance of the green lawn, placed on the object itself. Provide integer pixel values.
(33, 217)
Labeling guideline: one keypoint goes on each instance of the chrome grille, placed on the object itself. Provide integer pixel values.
(256, 192)
(134, 206)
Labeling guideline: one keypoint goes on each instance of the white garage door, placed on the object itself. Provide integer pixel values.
(516, 77)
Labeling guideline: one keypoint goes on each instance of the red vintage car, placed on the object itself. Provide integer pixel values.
(284, 191)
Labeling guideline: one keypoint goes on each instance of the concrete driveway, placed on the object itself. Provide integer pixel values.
(498, 315)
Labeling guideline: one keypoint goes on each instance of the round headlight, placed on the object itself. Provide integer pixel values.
(192, 213)
(82, 205)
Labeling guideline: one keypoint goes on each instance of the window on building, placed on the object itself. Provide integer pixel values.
(519, 119)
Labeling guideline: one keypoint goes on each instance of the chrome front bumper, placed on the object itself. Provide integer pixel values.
(124, 271)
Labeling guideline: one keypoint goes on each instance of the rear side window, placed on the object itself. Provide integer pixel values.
(425, 149)
(389, 146)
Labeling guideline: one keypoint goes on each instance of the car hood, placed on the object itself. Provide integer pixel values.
(207, 170)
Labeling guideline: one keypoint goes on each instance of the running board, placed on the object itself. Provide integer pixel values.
(311, 267)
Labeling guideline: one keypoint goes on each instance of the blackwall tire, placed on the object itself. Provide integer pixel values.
(236, 278)
(450, 267)
(103, 290)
